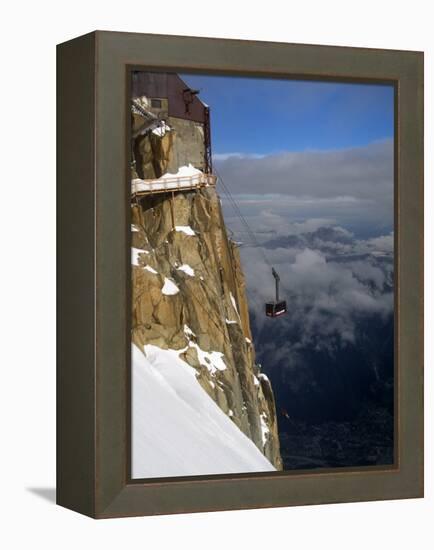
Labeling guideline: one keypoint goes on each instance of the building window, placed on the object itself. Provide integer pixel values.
(156, 103)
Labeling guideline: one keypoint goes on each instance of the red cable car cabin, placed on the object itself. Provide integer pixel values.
(274, 309)
(278, 307)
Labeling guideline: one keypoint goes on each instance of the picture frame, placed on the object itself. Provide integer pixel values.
(93, 376)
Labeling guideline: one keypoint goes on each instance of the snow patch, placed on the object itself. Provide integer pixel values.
(212, 360)
(234, 303)
(185, 229)
(263, 376)
(177, 429)
(183, 172)
(162, 129)
(135, 254)
(150, 269)
(134, 228)
(264, 428)
(229, 322)
(188, 332)
(169, 287)
(186, 269)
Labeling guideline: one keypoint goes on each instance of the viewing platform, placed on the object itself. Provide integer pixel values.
(186, 179)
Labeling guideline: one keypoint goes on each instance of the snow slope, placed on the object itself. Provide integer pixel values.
(177, 429)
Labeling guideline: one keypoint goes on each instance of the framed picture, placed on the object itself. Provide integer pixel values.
(240, 274)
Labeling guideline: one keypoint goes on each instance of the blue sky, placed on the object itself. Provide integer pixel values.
(292, 151)
(267, 116)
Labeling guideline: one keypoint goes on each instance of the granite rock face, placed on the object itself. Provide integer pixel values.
(189, 295)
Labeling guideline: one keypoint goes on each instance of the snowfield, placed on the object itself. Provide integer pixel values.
(177, 429)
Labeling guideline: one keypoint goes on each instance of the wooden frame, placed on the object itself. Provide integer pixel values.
(93, 288)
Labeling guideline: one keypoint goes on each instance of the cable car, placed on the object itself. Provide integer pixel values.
(278, 307)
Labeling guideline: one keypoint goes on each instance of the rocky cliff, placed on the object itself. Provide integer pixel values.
(189, 295)
(188, 289)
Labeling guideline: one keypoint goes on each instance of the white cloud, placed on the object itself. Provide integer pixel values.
(225, 156)
(385, 243)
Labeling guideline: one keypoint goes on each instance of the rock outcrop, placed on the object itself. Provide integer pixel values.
(189, 295)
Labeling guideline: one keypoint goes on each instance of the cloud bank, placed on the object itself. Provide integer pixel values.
(352, 186)
(331, 282)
